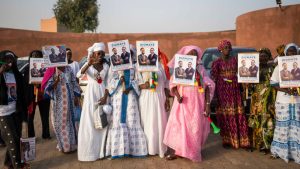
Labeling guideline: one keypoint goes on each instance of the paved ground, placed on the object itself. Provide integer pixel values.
(214, 157)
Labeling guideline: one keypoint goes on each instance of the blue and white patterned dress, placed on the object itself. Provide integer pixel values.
(125, 135)
(286, 140)
(62, 108)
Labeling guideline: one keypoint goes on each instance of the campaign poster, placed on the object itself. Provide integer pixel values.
(27, 148)
(289, 71)
(147, 56)
(37, 70)
(120, 56)
(248, 67)
(184, 69)
(55, 56)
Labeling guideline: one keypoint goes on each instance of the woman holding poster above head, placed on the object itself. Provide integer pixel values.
(125, 134)
(286, 135)
(91, 141)
(154, 105)
(34, 97)
(230, 112)
(61, 87)
(188, 127)
(262, 108)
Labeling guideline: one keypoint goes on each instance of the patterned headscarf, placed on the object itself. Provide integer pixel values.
(280, 50)
(164, 60)
(223, 43)
(266, 51)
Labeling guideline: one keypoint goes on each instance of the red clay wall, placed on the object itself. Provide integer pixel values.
(269, 27)
(22, 41)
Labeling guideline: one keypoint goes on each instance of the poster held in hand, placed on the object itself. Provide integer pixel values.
(55, 56)
(184, 70)
(248, 67)
(147, 56)
(289, 71)
(120, 56)
(37, 70)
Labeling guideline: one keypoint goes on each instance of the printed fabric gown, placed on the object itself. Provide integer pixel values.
(125, 135)
(91, 141)
(62, 108)
(230, 114)
(262, 111)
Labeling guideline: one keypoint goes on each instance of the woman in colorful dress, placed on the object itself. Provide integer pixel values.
(188, 127)
(286, 138)
(12, 108)
(91, 141)
(61, 87)
(125, 135)
(230, 113)
(262, 109)
(154, 105)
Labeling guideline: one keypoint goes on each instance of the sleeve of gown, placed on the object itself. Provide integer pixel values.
(164, 77)
(134, 83)
(79, 75)
(274, 81)
(208, 82)
(76, 87)
(171, 85)
(49, 90)
(113, 82)
(106, 74)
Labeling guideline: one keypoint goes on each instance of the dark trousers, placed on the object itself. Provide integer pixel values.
(44, 106)
(1, 140)
(10, 131)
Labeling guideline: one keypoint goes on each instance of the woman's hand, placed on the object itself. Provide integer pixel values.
(102, 101)
(126, 91)
(3, 68)
(77, 101)
(179, 99)
(56, 81)
(167, 105)
(122, 79)
(145, 85)
(207, 110)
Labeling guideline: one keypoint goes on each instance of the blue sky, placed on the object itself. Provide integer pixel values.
(141, 16)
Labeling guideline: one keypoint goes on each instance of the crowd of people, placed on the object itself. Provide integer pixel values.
(141, 119)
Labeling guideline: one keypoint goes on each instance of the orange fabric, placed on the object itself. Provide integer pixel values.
(164, 60)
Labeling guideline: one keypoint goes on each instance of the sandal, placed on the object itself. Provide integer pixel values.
(171, 157)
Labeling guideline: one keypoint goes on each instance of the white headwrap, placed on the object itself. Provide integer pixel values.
(290, 45)
(98, 46)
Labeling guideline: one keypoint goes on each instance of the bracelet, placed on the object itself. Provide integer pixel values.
(207, 103)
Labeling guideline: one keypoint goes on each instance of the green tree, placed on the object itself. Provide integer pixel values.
(77, 15)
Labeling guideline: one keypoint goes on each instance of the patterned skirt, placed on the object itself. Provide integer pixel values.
(233, 124)
(286, 141)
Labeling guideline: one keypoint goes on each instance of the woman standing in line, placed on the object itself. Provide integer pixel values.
(154, 105)
(286, 138)
(91, 141)
(188, 127)
(230, 111)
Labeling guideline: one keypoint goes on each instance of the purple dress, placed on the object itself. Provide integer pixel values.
(230, 113)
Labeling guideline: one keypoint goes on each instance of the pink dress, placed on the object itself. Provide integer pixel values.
(187, 128)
